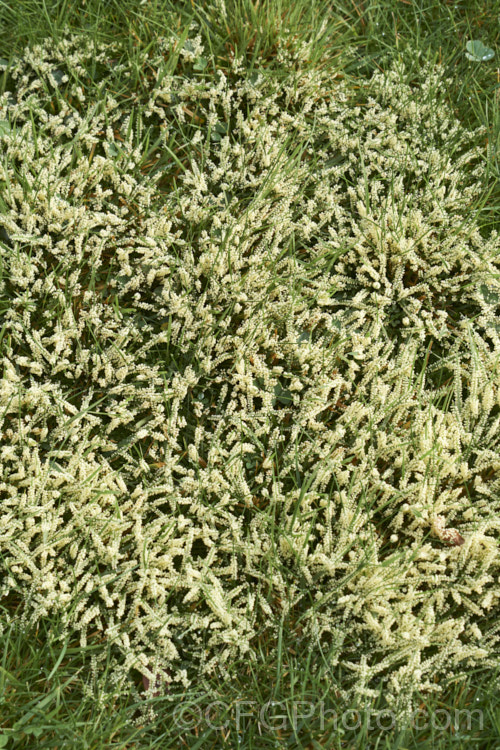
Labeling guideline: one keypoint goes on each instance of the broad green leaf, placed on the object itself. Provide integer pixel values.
(36, 731)
(4, 127)
(283, 395)
(220, 129)
(57, 75)
(200, 63)
(113, 149)
(478, 52)
(304, 336)
(490, 297)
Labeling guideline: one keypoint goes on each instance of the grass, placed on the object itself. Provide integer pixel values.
(47, 701)
(57, 692)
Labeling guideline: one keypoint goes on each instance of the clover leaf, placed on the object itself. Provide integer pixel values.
(478, 52)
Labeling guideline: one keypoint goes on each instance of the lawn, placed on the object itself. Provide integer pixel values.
(250, 390)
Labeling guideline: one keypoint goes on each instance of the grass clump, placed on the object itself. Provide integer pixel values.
(250, 364)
